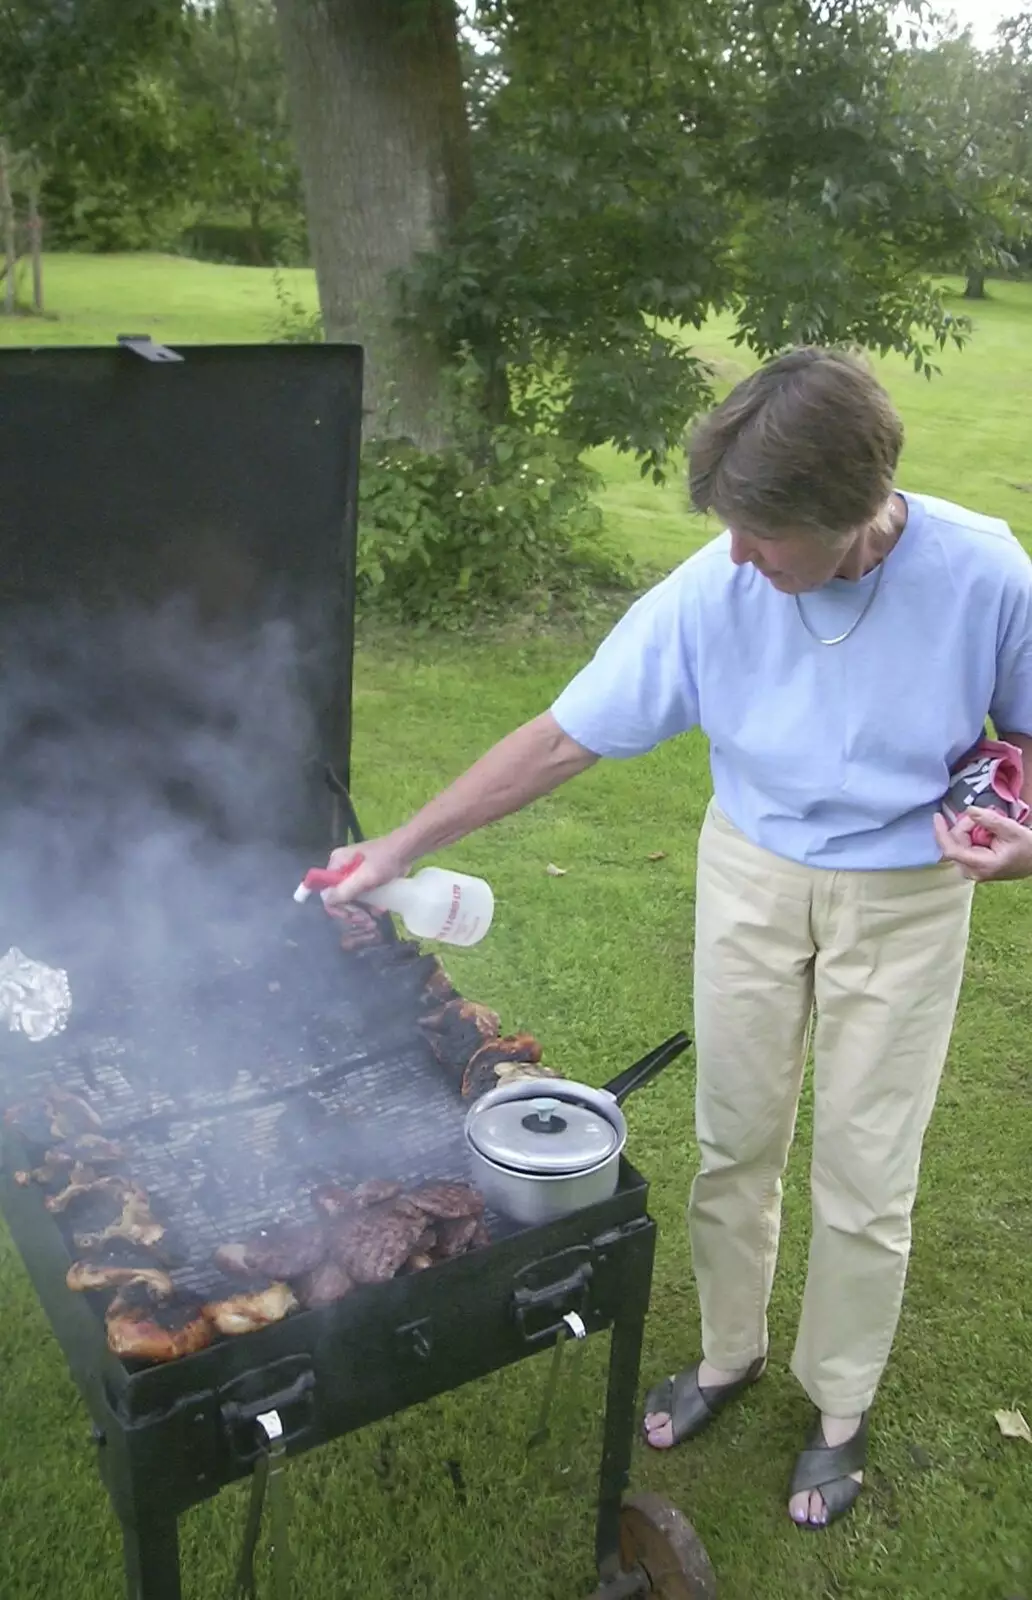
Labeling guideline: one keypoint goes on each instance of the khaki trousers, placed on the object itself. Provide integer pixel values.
(879, 956)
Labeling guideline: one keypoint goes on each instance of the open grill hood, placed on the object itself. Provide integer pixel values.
(222, 482)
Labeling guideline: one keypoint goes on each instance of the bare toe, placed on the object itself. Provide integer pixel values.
(799, 1507)
(659, 1429)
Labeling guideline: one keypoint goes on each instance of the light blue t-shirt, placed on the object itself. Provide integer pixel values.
(833, 756)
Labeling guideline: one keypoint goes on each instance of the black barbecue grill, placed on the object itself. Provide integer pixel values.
(221, 483)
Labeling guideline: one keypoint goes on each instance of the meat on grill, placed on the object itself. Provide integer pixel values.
(333, 1200)
(358, 928)
(438, 988)
(33, 1122)
(135, 1222)
(115, 1263)
(445, 1201)
(285, 1250)
(82, 1184)
(453, 1237)
(70, 1115)
(88, 1147)
(372, 1245)
(85, 1155)
(150, 1326)
(457, 1031)
(247, 1310)
(483, 1068)
(327, 1282)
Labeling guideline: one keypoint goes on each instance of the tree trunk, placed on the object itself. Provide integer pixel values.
(975, 289)
(380, 122)
(7, 226)
(36, 246)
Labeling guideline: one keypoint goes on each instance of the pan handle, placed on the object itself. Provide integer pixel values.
(634, 1077)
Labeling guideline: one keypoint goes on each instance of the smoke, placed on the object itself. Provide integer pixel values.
(156, 781)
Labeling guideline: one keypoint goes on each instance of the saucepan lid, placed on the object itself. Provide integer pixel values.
(543, 1135)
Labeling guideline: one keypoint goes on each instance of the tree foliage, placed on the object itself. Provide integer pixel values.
(641, 166)
(975, 107)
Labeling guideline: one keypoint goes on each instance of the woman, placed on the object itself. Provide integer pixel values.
(842, 646)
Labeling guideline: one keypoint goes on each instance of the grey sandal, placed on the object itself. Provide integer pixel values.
(690, 1407)
(826, 1468)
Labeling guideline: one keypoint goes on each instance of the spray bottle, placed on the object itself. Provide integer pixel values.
(449, 907)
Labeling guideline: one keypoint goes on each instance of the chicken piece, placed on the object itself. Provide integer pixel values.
(251, 1309)
(438, 988)
(83, 1182)
(481, 1236)
(454, 1237)
(501, 1074)
(446, 1201)
(481, 1073)
(286, 1250)
(116, 1263)
(32, 1121)
(146, 1325)
(57, 1168)
(327, 1282)
(135, 1223)
(70, 1115)
(372, 1245)
(458, 1030)
(91, 1148)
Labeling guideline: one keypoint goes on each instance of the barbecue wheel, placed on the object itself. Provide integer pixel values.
(655, 1537)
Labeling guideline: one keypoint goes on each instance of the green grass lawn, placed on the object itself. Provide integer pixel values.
(598, 964)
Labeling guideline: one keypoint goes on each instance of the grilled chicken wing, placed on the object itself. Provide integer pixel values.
(116, 1263)
(147, 1325)
(250, 1309)
(457, 1031)
(135, 1223)
(486, 1065)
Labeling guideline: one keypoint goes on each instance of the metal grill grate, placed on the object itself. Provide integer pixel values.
(306, 1094)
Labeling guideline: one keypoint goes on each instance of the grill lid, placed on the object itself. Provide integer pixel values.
(544, 1136)
(215, 492)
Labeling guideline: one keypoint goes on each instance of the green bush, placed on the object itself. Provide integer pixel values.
(503, 519)
(508, 524)
(280, 241)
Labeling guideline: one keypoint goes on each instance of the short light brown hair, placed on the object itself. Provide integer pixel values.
(810, 443)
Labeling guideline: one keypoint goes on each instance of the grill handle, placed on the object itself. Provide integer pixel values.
(635, 1077)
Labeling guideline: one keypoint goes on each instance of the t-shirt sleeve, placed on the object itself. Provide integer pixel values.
(640, 688)
(1011, 708)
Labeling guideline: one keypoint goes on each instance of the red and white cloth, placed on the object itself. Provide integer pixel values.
(991, 776)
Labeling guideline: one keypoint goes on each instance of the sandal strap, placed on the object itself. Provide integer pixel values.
(691, 1407)
(821, 1465)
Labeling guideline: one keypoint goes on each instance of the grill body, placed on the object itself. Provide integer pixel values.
(225, 480)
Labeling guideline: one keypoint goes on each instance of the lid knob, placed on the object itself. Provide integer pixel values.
(544, 1117)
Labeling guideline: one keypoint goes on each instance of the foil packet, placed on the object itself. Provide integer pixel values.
(34, 999)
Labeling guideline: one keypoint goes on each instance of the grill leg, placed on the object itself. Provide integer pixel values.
(621, 1405)
(152, 1560)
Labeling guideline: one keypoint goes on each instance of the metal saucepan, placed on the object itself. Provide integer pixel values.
(543, 1148)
